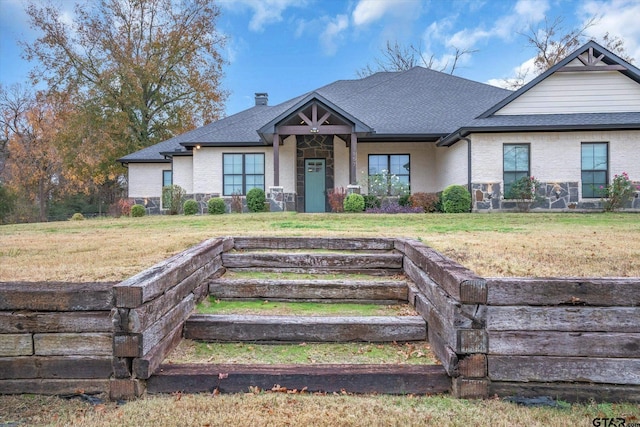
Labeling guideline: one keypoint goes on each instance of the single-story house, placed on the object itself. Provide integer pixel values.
(574, 128)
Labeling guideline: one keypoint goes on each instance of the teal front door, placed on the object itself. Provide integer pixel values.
(314, 185)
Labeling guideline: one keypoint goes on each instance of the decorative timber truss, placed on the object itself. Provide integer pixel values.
(593, 63)
(317, 116)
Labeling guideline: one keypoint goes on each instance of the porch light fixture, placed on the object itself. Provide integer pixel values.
(314, 130)
(198, 147)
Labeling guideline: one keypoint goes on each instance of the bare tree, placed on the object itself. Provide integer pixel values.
(397, 57)
(552, 43)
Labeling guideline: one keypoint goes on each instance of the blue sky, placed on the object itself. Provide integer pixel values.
(289, 47)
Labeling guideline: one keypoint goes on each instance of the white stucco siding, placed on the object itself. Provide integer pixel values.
(578, 92)
(453, 165)
(207, 167)
(423, 173)
(183, 172)
(554, 156)
(288, 166)
(145, 179)
(341, 162)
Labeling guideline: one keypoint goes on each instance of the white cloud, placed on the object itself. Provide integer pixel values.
(265, 12)
(534, 10)
(332, 32)
(618, 18)
(369, 11)
(523, 74)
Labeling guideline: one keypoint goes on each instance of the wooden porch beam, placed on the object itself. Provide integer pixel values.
(276, 159)
(353, 159)
(593, 68)
(323, 119)
(306, 119)
(322, 130)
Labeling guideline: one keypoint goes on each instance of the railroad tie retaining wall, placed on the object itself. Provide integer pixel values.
(576, 339)
(151, 308)
(55, 338)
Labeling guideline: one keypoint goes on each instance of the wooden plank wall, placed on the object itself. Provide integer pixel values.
(575, 339)
(452, 299)
(55, 338)
(151, 308)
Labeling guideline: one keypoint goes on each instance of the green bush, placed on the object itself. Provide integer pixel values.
(77, 217)
(354, 202)
(7, 203)
(138, 211)
(216, 206)
(456, 199)
(371, 201)
(404, 200)
(190, 207)
(172, 196)
(255, 200)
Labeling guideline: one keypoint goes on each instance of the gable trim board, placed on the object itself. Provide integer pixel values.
(451, 128)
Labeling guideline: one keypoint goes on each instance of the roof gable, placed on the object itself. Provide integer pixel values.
(590, 80)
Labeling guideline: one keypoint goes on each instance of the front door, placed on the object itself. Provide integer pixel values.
(314, 185)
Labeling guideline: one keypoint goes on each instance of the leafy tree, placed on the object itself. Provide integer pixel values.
(397, 57)
(153, 66)
(139, 72)
(31, 124)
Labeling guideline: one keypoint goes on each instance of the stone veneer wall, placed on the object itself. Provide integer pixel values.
(278, 201)
(313, 147)
(555, 196)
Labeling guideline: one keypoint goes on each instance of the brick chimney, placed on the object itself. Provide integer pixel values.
(262, 98)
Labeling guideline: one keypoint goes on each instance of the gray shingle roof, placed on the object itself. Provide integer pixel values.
(418, 101)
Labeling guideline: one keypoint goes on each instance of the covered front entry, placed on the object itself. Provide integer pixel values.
(315, 122)
(314, 185)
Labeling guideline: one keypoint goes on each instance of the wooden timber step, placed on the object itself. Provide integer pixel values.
(383, 291)
(385, 379)
(234, 327)
(335, 261)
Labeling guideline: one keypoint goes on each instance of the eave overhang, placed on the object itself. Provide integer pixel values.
(451, 139)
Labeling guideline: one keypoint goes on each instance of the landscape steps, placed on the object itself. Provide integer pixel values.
(329, 378)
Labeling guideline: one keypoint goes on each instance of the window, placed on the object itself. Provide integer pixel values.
(384, 166)
(595, 161)
(515, 164)
(167, 178)
(242, 172)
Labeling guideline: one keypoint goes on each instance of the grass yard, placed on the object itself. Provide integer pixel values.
(490, 244)
(278, 308)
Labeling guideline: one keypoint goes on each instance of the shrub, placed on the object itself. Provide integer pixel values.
(236, 203)
(456, 199)
(524, 192)
(77, 217)
(138, 211)
(172, 196)
(121, 207)
(336, 199)
(190, 207)
(255, 200)
(404, 200)
(354, 202)
(371, 201)
(7, 203)
(618, 193)
(427, 201)
(216, 206)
